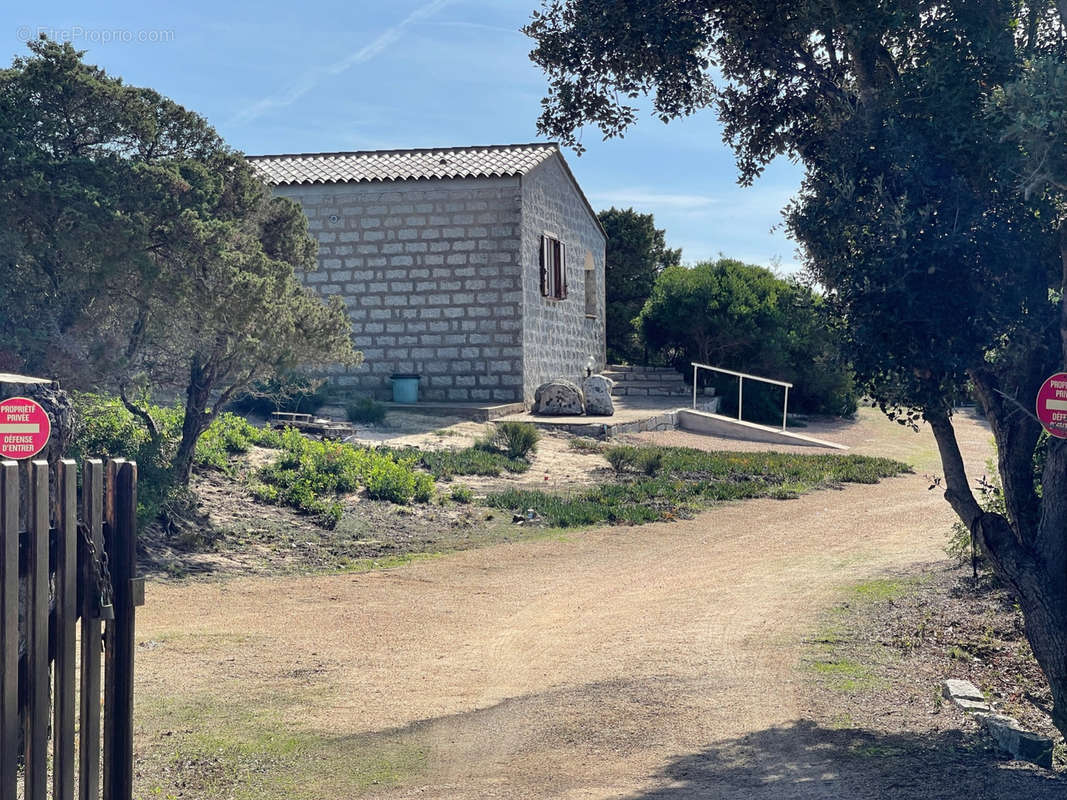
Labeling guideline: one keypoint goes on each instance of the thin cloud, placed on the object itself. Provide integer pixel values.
(312, 78)
(643, 198)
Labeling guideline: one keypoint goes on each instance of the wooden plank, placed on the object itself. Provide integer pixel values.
(9, 628)
(118, 769)
(36, 776)
(137, 591)
(110, 526)
(66, 582)
(89, 740)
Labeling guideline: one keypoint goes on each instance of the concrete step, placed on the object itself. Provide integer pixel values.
(641, 379)
(637, 368)
(658, 390)
(641, 373)
(649, 391)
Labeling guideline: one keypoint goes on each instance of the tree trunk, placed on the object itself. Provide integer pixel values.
(1030, 558)
(197, 395)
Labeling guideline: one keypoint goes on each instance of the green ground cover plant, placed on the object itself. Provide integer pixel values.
(310, 474)
(685, 480)
(475, 460)
(581, 444)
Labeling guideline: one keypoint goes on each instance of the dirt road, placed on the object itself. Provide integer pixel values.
(660, 661)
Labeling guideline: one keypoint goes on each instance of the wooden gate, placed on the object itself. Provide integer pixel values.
(67, 565)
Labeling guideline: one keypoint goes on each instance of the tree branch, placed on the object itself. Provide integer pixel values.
(957, 489)
(140, 413)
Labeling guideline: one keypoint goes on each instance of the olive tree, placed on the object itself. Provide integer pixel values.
(931, 210)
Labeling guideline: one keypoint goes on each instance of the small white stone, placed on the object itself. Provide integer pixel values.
(954, 689)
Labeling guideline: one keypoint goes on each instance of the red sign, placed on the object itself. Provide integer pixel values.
(1052, 405)
(24, 428)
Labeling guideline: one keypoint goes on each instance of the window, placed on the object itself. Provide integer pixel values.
(553, 268)
(590, 285)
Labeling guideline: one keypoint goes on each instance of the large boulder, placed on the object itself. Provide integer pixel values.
(558, 398)
(598, 400)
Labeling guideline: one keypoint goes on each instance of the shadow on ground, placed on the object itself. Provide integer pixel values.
(805, 761)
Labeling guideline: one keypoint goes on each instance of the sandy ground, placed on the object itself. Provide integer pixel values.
(660, 661)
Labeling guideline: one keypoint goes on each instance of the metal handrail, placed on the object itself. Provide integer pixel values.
(740, 386)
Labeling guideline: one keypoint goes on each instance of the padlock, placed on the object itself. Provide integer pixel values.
(107, 611)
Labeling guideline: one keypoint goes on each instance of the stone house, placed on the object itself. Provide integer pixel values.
(480, 269)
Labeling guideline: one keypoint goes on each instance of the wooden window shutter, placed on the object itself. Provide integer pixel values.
(544, 268)
(563, 271)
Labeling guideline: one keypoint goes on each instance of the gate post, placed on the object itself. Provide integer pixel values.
(9, 633)
(121, 545)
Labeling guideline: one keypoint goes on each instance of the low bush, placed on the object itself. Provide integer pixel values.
(389, 480)
(815, 469)
(423, 488)
(105, 428)
(621, 458)
(366, 410)
(650, 462)
(517, 439)
(296, 394)
(462, 494)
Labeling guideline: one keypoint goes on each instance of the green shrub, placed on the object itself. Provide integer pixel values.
(423, 488)
(621, 458)
(310, 474)
(650, 462)
(462, 494)
(366, 410)
(517, 439)
(329, 514)
(296, 394)
(230, 434)
(388, 480)
(105, 429)
(264, 493)
(770, 326)
(486, 443)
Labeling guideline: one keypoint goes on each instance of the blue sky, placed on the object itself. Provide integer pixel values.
(320, 76)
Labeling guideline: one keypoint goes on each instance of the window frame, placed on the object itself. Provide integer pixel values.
(553, 267)
(591, 299)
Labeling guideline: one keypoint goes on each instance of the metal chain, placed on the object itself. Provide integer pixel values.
(101, 571)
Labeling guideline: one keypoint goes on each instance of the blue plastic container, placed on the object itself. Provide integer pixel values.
(405, 388)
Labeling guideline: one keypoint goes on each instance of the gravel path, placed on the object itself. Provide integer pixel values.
(660, 661)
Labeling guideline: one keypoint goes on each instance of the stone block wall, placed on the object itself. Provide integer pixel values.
(431, 274)
(558, 335)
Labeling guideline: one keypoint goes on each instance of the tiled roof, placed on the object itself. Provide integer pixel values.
(495, 161)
